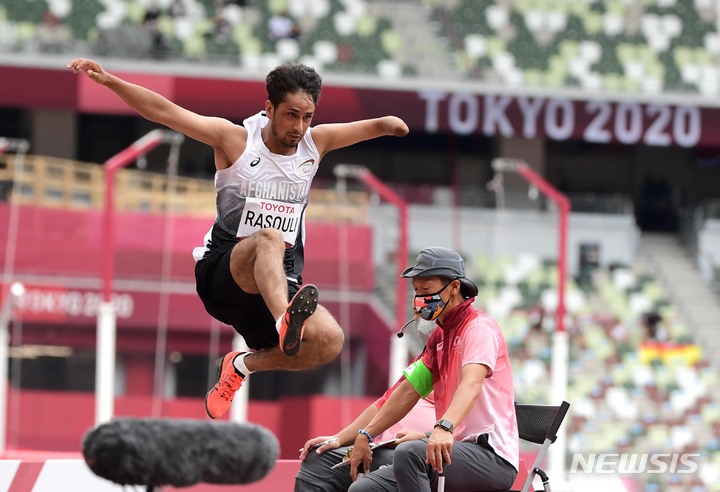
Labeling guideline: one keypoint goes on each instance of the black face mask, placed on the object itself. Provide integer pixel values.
(429, 306)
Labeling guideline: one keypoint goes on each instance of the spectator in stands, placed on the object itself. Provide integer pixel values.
(321, 453)
(177, 9)
(53, 35)
(537, 341)
(151, 21)
(466, 365)
(652, 322)
(152, 14)
(239, 3)
(221, 28)
(282, 26)
(618, 333)
(251, 261)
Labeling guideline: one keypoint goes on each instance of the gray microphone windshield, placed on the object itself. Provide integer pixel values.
(179, 452)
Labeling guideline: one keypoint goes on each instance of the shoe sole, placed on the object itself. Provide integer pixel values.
(217, 380)
(303, 305)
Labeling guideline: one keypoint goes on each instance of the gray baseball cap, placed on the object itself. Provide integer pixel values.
(442, 262)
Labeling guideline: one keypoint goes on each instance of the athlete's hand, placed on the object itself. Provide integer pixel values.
(90, 68)
(320, 444)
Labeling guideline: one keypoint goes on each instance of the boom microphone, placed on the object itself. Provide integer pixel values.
(179, 452)
(401, 331)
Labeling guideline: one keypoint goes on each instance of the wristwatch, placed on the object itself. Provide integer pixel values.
(445, 424)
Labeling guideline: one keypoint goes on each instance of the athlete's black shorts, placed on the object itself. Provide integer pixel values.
(226, 302)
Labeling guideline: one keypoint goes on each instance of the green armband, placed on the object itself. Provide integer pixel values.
(420, 377)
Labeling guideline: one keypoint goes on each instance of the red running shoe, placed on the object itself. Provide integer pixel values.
(218, 399)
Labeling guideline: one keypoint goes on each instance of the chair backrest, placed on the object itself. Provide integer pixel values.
(539, 422)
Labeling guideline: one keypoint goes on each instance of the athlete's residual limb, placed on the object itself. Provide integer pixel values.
(401, 331)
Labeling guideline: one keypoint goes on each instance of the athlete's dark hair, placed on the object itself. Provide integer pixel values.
(290, 78)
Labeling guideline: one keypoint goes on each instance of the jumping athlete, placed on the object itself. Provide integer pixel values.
(251, 261)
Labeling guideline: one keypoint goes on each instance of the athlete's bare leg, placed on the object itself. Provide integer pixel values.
(322, 342)
(256, 264)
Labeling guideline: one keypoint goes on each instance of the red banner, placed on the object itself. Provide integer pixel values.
(595, 121)
(462, 113)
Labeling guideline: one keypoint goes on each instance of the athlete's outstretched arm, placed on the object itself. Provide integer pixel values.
(333, 136)
(219, 133)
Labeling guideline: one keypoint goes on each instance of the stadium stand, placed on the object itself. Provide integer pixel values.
(648, 47)
(638, 381)
(594, 45)
(344, 36)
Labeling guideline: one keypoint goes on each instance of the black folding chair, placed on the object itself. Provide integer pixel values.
(538, 424)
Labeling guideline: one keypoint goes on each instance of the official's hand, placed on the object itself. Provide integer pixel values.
(405, 436)
(361, 455)
(90, 68)
(320, 444)
(439, 448)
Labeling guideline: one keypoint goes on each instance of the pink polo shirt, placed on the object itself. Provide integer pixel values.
(470, 336)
